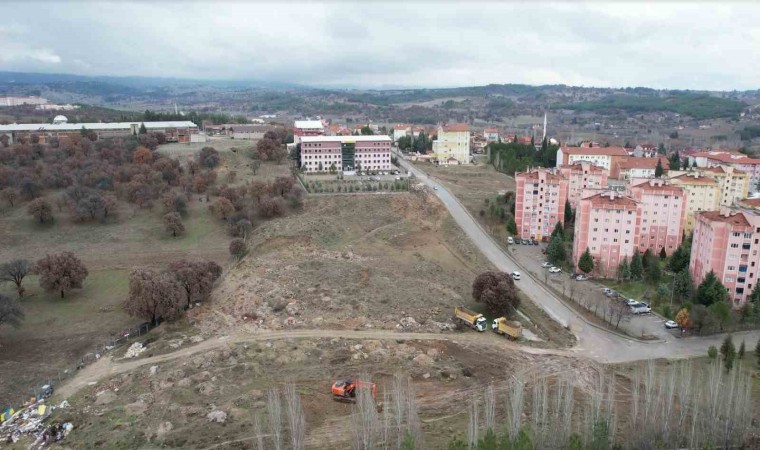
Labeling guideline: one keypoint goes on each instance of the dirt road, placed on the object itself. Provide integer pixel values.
(108, 366)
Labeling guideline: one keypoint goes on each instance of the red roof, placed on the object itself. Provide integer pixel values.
(734, 218)
(750, 202)
(533, 175)
(491, 130)
(602, 151)
(694, 178)
(643, 163)
(455, 127)
(577, 166)
(603, 200)
(657, 185)
(721, 170)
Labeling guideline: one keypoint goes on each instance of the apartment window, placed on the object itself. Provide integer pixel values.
(731, 268)
(737, 234)
(734, 245)
(729, 279)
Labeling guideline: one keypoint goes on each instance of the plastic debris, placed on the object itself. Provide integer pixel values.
(30, 421)
(134, 350)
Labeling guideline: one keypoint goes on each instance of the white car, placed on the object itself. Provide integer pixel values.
(435, 188)
(554, 270)
(510, 240)
(631, 302)
(670, 325)
(581, 277)
(515, 275)
(546, 264)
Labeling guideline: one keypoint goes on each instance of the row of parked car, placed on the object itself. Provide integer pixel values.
(511, 240)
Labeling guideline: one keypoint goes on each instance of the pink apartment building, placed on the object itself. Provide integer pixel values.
(582, 175)
(727, 242)
(606, 224)
(347, 153)
(539, 203)
(662, 209)
(738, 161)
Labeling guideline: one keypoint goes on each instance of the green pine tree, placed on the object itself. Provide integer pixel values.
(663, 255)
(569, 216)
(512, 227)
(742, 350)
(757, 351)
(624, 270)
(558, 231)
(658, 170)
(143, 130)
(555, 251)
(586, 261)
(637, 267)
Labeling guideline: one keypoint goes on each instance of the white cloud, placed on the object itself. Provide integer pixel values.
(668, 45)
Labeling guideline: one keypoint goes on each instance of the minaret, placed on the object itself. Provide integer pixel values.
(542, 139)
(176, 111)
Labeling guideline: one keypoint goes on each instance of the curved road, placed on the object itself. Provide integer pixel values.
(596, 343)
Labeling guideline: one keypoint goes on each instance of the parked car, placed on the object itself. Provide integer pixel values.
(631, 302)
(554, 269)
(435, 188)
(581, 277)
(640, 308)
(670, 325)
(515, 275)
(510, 240)
(607, 290)
(534, 242)
(526, 241)
(546, 264)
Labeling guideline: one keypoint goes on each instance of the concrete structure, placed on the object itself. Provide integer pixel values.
(453, 142)
(738, 161)
(175, 131)
(582, 176)
(491, 134)
(303, 128)
(66, 107)
(726, 242)
(606, 224)
(632, 168)
(400, 130)
(539, 203)
(702, 194)
(347, 153)
(662, 213)
(18, 101)
(247, 132)
(734, 183)
(606, 157)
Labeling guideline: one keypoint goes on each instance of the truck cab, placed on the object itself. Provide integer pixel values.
(481, 324)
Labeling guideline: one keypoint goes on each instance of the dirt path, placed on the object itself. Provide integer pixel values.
(108, 367)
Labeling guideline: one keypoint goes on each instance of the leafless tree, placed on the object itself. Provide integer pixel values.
(490, 408)
(10, 311)
(515, 406)
(60, 272)
(258, 432)
(14, 272)
(365, 419)
(473, 424)
(540, 406)
(40, 209)
(296, 419)
(173, 223)
(10, 195)
(274, 409)
(153, 296)
(400, 384)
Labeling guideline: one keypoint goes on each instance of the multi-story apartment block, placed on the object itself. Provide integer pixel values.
(539, 203)
(606, 224)
(606, 157)
(739, 161)
(702, 194)
(637, 168)
(727, 242)
(733, 183)
(452, 145)
(662, 211)
(491, 134)
(346, 153)
(303, 128)
(582, 176)
(18, 101)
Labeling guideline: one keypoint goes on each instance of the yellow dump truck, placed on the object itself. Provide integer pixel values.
(511, 328)
(470, 318)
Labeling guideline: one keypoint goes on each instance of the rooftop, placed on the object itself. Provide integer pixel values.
(533, 175)
(693, 178)
(732, 218)
(456, 127)
(753, 203)
(95, 126)
(643, 163)
(491, 130)
(347, 139)
(580, 166)
(611, 200)
(722, 170)
(601, 151)
(657, 185)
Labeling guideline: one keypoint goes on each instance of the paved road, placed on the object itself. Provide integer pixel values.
(593, 342)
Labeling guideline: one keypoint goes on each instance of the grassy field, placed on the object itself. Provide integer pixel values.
(57, 333)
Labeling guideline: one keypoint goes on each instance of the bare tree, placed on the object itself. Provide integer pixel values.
(490, 408)
(10, 311)
(173, 223)
(153, 296)
(365, 419)
(515, 407)
(238, 248)
(15, 271)
(295, 417)
(400, 383)
(274, 408)
(10, 195)
(472, 424)
(40, 209)
(258, 432)
(196, 278)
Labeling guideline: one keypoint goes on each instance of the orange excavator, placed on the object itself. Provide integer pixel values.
(345, 390)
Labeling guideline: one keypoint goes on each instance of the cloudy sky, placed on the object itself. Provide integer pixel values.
(701, 45)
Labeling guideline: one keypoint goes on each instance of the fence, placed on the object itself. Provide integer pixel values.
(45, 388)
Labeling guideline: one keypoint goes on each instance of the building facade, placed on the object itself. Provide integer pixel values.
(303, 128)
(18, 101)
(491, 134)
(733, 183)
(540, 197)
(739, 161)
(452, 144)
(175, 131)
(726, 243)
(636, 168)
(346, 153)
(662, 213)
(605, 157)
(702, 194)
(606, 224)
(582, 176)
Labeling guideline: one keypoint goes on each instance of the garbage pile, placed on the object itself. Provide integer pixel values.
(29, 421)
(134, 350)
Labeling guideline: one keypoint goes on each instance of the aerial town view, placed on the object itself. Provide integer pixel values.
(380, 225)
